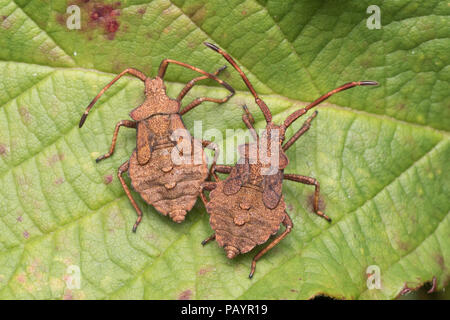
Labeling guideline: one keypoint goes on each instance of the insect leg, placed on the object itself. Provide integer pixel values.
(133, 72)
(191, 83)
(305, 127)
(223, 168)
(123, 168)
(249, 121)
(212, 146)
(210, 238)
(310, 181)
(125, 123)
(209, 186)
(203, 197)
(287, 222)
(196, 102)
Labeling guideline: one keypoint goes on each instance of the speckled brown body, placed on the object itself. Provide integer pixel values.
(241, 221)
(168, 166)
(171, 188)
(248, 207)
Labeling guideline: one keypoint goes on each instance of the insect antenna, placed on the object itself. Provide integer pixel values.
(265, 110)
(131, 71)
(296, 114)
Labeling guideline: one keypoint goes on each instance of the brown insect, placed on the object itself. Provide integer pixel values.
(248, 206)
(172, 188)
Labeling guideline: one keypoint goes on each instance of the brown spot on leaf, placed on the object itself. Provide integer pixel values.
(244, 12)
(7, 22)
(61, 19)
(205, 270)
(142, 10)
(199, 16)
(3, 150)
(310, 200)
(68, 295)
(185, 295)
(400, 106)
(21, 278)
(440, 260)
(105, 15)
(49, 50)
(59, 181)
(197, 13)
(107, 179)
(26, 235)
(99, 15)
(167, 29)
(55, 158)
(111, 26)
(25, 114)
(402, 245)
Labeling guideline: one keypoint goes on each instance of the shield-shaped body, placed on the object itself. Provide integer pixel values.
(240, 220)
(170, 183)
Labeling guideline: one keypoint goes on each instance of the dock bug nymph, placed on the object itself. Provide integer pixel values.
(172, 188)
(248, 206)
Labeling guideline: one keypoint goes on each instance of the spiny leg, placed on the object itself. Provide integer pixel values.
(123, 168)
(162, 72)
(310, 181)
(191, 83)
(287, 222)
(305, 127)
(125, 123)
(133, 72)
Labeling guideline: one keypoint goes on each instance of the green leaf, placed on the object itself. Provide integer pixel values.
(380, 154)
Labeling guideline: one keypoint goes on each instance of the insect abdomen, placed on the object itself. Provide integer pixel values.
(172, 189)
(241, 220)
